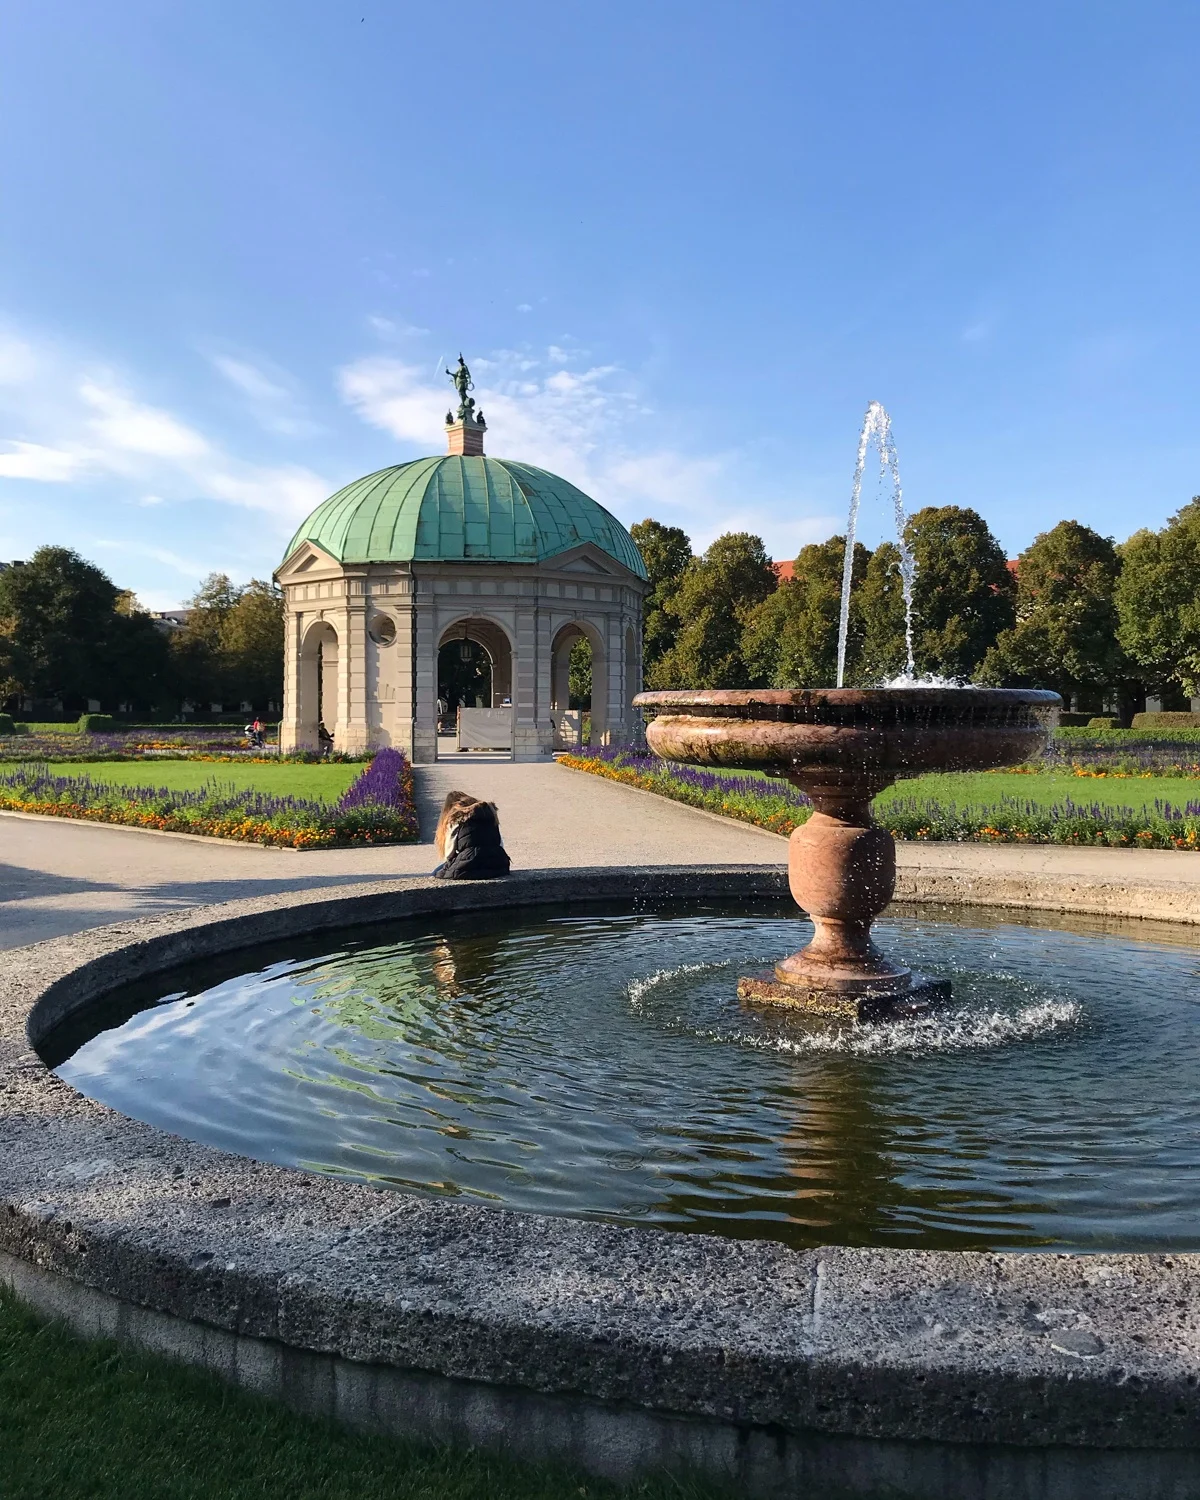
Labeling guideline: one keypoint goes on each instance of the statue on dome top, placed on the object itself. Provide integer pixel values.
(462, 384)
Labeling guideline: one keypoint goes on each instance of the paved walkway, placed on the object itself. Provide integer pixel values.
(58, 877)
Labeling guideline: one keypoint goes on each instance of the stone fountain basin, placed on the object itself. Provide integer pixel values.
(883, 733)
(838, 1371)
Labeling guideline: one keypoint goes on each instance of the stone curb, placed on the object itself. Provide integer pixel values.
(859, 1372)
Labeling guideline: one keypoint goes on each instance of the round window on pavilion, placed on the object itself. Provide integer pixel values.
(382, 630)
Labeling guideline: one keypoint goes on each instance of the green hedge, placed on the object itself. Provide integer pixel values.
(95, 724)
(1166, 720)
(6, 724)
(1072, 735)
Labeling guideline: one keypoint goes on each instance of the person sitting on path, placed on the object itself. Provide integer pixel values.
(468, 839)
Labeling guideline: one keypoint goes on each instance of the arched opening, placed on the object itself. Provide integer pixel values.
(464, 678)
(577, 677)
(474, 673)
(318, 707)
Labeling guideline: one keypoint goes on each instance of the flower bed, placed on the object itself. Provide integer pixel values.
(379, 807)
(780, 807)
(210, 745)
(126, 745)
(1120, 753)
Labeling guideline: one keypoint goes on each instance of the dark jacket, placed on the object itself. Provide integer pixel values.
(478, 853)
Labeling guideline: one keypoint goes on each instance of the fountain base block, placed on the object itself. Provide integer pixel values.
(921, 995)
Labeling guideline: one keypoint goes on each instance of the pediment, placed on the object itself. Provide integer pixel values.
(585, 558)
(591, 561)
(307, 559)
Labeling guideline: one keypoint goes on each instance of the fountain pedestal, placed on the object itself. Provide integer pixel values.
(842, 873)
(842, 747)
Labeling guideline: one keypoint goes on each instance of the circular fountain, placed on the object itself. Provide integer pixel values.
(842, 747)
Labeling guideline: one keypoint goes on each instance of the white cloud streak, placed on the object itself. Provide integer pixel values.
(62, 424)
(269, 394)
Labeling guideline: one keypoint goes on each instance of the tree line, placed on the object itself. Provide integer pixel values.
(1097, 622)
(69, 635)
(1100, 623)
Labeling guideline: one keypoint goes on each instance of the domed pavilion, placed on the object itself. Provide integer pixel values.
(407, 579)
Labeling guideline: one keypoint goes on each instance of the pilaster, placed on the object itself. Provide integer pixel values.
(424, 674)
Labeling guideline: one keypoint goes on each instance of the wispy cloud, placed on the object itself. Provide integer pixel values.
(271, 395)
(66, 422)
(38, 462)
(394, 328)
(187, 566)
(18, 361)
(123, 425)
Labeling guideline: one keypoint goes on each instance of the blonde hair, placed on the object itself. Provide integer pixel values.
(457, 807)
(455, 803)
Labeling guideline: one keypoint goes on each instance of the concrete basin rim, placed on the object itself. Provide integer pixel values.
(896, 1344)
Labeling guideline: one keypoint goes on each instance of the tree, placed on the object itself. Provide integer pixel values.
(251, 642)
(1065, 637)
(963, 597)
(1158, 601)
(70, 634)
(579, 674)
(710, 608)
(197, 649)
(140, 660)
(666, 551)
(791, 638)
(883, 653)
(231, 649)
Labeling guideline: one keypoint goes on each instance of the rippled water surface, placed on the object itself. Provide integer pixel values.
(600, 1064)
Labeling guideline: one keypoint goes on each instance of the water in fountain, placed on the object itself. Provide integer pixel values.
(877, 430)
(594, 1061)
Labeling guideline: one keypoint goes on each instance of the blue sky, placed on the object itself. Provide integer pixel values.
(681, 245)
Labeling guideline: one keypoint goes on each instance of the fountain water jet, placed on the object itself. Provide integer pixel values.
(877, 429)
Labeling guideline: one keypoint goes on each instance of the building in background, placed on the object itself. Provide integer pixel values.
(411, 585)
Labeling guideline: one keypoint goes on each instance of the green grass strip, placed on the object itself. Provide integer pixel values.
(83, 1420)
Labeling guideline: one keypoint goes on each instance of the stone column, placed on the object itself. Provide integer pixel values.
(525, 684)
(560, 677)
(424, 673)
(354, 731)
(292, 733)
(615, 684)
(400, 669)
(329, 671)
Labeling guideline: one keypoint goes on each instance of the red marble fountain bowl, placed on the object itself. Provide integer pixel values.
(866, 736)
(842, 746)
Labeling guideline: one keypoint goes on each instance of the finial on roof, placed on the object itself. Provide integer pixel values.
(465, 431)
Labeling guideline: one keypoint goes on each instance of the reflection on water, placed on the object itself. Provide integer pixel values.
(599, 1064)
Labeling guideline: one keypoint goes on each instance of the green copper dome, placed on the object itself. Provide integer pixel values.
(463, 508)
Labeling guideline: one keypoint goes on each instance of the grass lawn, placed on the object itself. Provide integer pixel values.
(1048, 789)
(984, 789)
(95, 1420)
(289, 779)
